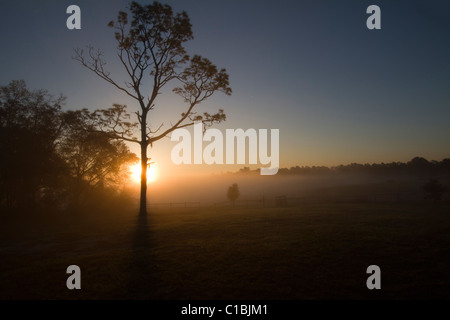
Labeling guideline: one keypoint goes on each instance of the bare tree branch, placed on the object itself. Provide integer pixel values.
(96, 65)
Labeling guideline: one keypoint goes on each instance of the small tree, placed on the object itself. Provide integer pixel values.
(233, 193)
(433, 190)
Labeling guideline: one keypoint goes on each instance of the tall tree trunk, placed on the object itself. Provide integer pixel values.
(143, 201)
(144, 161)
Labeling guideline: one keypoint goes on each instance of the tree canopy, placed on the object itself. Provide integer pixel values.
(47, 156)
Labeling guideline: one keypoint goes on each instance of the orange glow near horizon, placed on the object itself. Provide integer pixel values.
(135, 173)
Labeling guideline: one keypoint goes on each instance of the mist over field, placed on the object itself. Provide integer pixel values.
(211, 189)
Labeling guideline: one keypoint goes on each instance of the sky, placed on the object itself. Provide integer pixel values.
(337, 91)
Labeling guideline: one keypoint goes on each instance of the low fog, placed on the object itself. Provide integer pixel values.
(212, 189)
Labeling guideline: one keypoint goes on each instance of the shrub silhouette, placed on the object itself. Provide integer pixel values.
(233, 193)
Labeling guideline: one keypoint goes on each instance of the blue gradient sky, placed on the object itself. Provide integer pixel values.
(338, 92)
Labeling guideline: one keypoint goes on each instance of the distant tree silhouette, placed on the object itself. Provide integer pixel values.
(244, 170)
(233, 193)
(418, 166)
(433, 190)
(150, 49)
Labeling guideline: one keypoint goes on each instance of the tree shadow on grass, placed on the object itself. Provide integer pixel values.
(142, 268)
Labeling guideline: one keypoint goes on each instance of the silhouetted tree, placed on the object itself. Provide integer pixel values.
(47, 156)
(233, 193)
(433, 190)
(94, 160)
(150, 49)
(30, 125)
(419, 166)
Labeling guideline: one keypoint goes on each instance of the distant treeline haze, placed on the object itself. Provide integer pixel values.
(418, 166)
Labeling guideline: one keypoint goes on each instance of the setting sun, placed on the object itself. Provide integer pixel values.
(135, 173)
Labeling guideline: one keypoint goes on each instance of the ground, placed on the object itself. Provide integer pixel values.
(309, 251)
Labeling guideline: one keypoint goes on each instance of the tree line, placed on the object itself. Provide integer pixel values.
(418, 166)
(49, 157)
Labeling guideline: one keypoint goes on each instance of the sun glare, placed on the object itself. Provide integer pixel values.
(135, 173)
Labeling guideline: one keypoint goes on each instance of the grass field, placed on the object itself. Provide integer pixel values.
(314, 251)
